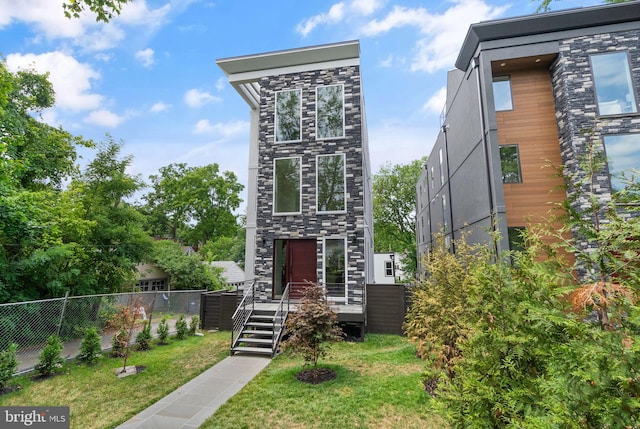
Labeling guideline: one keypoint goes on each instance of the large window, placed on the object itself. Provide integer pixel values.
(502, 93)
(286, 185)
(288, 115)
(331, 183)
(335, 266)
(612, 80)
(623, 154)
(330, 111)
(510, 163)
(516, 240)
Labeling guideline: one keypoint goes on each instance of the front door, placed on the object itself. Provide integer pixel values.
(295, 262)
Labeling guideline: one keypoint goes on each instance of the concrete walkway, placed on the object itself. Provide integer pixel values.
(194, 402)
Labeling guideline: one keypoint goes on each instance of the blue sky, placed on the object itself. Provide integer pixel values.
(149, 76)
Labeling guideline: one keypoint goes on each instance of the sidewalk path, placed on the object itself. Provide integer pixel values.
(194, 402)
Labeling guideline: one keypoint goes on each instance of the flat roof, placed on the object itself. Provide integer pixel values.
(547, 22)
(290, 57)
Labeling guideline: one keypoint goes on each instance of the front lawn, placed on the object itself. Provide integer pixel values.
(378, 385)
(97, 399)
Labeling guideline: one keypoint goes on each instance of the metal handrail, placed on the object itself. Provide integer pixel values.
(280, 318)
(243, 313)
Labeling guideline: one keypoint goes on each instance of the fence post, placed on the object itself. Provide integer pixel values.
(64, 306)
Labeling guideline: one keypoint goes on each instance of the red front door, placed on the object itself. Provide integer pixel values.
(294, 262)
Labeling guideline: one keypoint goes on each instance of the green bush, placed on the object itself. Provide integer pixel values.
(181, 328)
(194, 324)
(8, 363)
(163, 331)
(143, 339)
(90, 347)
(49, 360)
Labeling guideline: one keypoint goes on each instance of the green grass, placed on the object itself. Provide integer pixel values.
(97, 399)
(378, 385)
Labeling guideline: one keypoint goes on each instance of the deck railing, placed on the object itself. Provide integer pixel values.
(279, 319)
(243, 312)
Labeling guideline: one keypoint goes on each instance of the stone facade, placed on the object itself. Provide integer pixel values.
(309, 223)
(576, 107)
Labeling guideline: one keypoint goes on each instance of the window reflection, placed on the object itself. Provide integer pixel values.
(502, 93)
(288, 115)
(623, 154)
(510, 163)
(286, 187)
(330, 111)
(612, 80)
(331, 186)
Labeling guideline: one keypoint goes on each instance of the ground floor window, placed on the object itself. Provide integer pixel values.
(516, 241)
(335, 269)
(623, 154)
(510, 163)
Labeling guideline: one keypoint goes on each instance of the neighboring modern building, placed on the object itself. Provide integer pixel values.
(528, 92)
(309, 208)
(388, 268)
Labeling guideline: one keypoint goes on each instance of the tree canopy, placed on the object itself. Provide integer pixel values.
(394, 204)
(103, 9)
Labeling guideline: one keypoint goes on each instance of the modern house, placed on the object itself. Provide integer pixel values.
(528, 93)
(388, 268)
(309, 208)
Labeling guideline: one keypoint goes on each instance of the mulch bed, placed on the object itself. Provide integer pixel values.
(316, 376)
(8, 389)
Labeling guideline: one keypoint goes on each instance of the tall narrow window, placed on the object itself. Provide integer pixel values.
(388, 268)
(441, 169)
(335, 269)
(502, 93)
(330, 111)
(331, 183)
(286, 185)
(510, 163)
(623, 154)
(288, 115)
(613, 84)
(516, 240)
(433, 178)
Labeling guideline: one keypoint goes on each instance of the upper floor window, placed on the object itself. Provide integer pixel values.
(286, 185)
(288, 115)
(330, 111)
(516, 238)
(331, 185)
(623, 154)
(613, 84)
(510, 163)
(502, 93)
(441, 169)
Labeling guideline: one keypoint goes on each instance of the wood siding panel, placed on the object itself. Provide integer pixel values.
(386, 309)
(532, 126)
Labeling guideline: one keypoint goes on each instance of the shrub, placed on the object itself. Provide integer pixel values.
(193, 325)
(50, 360)
(8, 363)
(119, 343)
(163, 331)
(312, 327)
(181, 328)
(91, 346)
(143, 339)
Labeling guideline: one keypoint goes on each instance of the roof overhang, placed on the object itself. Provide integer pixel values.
(245, 72)
(549, 22)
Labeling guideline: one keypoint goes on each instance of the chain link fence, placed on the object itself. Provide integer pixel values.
(29, 324)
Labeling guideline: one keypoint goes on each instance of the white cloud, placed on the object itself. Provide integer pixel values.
(160, 107)
(71, 79)
(197, 98)
(221, 83)
(104, 118)
(145, 56)
(442, 34)
(225, 130)
(334, 15)
(366, 7)
(436, 103)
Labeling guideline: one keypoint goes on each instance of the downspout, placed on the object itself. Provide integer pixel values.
(445, 127)
(475, 65)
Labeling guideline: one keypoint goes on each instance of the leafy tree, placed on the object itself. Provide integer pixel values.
(185, 271)
(394, 196)
(103, 9)
(192, 204)
(312, 327)
(544, 5)
(226, 248)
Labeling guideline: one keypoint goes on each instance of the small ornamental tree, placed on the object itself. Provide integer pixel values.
(49, 360)
(91, 347)
(8, 364)
(125, 322)
(312, 328)
(163, 331)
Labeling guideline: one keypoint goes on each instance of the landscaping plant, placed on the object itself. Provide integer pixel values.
(124, 320)
(193, 325)
(163, 331)
(181, 328)
(143, 339)
(90, 347)
(8, 364)
(312, 328)
(49, 360)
